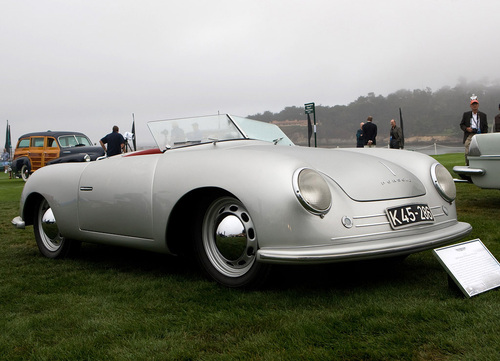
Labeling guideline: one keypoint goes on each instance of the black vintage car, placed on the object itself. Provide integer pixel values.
(36, 150)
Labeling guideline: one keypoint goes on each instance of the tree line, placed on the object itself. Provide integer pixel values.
(425, 113)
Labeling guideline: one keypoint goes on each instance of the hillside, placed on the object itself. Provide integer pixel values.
(428, 115)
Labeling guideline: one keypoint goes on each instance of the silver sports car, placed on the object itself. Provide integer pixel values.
(239, 196)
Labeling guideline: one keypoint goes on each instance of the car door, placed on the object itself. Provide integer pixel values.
(36, 152)
(51, 150)
(115, 196)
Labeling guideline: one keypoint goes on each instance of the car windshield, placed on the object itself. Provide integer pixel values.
(74, 140)
(199, 130)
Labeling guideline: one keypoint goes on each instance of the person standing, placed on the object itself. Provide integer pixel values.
(396, 139)
(6, 162)
(370, 133)
(360, 141)
(473, 122)
(115, 142)
(497, 121)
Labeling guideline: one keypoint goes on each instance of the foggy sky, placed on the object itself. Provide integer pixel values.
(88, 65)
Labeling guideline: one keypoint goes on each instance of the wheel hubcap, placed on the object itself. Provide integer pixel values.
(229, 237)
(49, 232)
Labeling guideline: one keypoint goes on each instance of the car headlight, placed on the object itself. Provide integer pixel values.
(86, 158)
(474, 148)
(312, 191)
(443, 181)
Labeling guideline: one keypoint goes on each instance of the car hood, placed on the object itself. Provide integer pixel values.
(362, 176)
(81, 149)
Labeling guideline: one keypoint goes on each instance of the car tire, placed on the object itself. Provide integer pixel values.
(25, 172)
(226, 244)
(48, 238)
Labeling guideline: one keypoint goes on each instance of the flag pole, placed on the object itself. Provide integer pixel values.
(402, 129)
(133, 132)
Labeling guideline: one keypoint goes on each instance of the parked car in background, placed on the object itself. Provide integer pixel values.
(484, 162)
(36, 150)
(238, 196)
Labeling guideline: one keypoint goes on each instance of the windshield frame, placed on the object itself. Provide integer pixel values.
(182, 132)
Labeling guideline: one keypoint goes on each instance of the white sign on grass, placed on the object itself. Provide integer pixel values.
(471, 265)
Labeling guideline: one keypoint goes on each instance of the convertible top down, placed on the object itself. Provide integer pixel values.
(238, 195)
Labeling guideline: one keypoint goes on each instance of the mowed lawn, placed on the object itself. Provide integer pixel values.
(113, 303)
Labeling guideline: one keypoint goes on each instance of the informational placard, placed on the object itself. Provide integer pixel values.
(471, 265)
(309, 107)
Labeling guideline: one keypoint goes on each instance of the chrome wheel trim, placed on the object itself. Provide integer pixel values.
(230, 252)
(25, 172)
(48, 230)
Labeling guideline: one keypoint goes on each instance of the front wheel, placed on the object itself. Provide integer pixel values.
(25, 172)
(48, 238)
(226, 244)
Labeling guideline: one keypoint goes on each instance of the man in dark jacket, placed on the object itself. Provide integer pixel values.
(473, 122)
(497, 121)
(396, 136)
(370, 133)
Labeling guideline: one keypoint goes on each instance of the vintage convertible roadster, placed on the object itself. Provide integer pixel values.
(239, 196)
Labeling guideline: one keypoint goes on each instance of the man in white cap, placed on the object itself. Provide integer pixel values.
(473, 122)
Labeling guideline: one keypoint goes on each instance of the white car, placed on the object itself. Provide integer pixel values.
(484, 162)
(240, 197)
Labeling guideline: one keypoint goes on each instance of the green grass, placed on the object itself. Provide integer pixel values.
(120, 304)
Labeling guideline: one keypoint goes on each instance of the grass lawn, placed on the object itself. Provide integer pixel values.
(120, 304)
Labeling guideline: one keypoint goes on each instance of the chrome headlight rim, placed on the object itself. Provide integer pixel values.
(302, 195)
(439, 182)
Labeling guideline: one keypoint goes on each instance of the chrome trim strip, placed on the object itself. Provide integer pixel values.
(369, 216)
(86, 189)
(372, 224)
(489, 156)
(392, 231)
(390, 170)
(381, 223)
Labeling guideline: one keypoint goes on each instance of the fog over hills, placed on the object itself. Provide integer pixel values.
(427, 115)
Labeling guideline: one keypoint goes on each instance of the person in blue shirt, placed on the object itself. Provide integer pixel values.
(115, 142)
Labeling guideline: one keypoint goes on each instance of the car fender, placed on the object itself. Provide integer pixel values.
(58, 184)
(18, 163)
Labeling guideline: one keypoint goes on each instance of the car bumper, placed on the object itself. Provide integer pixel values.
(466, 170)
(365, 250)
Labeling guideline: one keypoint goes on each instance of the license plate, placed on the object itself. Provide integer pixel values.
(409, 214)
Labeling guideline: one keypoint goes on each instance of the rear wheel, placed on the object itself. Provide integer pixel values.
(48, 238)
(226, 244)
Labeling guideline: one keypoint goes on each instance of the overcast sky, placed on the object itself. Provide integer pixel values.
(87, 65)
